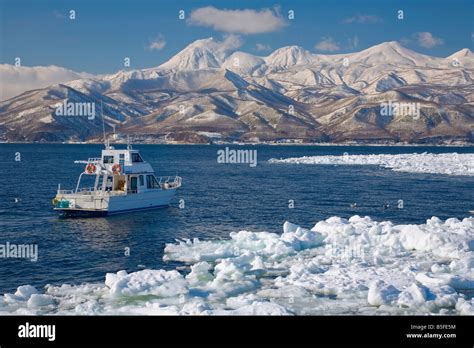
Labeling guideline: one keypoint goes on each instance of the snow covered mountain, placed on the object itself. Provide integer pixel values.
(211, 90)
(200, 54)
(288, 57)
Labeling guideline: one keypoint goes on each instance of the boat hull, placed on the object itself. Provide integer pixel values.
(86, 206)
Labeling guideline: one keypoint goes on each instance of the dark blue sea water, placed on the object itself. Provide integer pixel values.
(219, 198)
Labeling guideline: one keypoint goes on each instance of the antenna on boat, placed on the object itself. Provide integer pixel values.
(106, 142)
(129, 146)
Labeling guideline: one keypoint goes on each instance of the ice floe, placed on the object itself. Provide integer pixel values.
(340, 266)
(441, 163)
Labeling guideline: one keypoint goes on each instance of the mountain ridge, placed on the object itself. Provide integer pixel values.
(288, 95)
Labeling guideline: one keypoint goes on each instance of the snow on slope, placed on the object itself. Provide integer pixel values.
(244, 63)
(18, 79)
(209, 53)
(462, 58)
(200, 54)
(208, 67)
(289, 56)
(445, 163)
(394, 54)
(354, 266)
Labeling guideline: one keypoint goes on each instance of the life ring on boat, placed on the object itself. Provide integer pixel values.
(90, 168)
(116, 168)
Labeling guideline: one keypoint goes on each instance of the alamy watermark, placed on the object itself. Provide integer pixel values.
(231, 156)
(349, 252)
(400, 109)
(19, 251)
(67, 108)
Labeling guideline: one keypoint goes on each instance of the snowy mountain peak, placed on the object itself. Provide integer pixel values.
(389, 48)
(465, 52)
(389, 44)
(202, 42)
(200, 54)
(289, 56)
(394, 54)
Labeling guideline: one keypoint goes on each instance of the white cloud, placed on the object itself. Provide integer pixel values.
(262, 47)
(327, 44)
(230, 42)
(246, 21)
(157, 44)
(363, 19)
(427, 40)
(221, 48)
(19, 79)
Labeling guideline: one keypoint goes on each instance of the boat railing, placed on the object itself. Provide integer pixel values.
(65, 192)
(86, 190)
(170, 181)
(94, 160)
(82, 190)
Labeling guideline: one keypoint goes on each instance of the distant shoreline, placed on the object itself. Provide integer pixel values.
(467, 145)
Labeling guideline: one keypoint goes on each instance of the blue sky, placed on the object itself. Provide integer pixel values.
(104, 32)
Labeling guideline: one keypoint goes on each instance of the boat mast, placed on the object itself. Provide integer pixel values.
(106, 142)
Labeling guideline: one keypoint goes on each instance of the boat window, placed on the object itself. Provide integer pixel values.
(122, 156)
(108, 159)
(133, 184)
(142, 182)
(136, 157)
(151, 182)
(108, 185)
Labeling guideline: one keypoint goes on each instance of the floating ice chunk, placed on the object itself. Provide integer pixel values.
(258, 264)
(375, 230)
(235, 302)
(412, 296)
(24, 292)
(438, 279)
(90, 307)
(262, 308)
(200, 273)
(147, 282)
(288, 227)
(464, 264)
(196, 307)
(442, 297)
(340, 266)
(197, 250)
(381, 293)
(441, 163)
(40, 300)
(299, 238)
(437, 238)
(465, 307)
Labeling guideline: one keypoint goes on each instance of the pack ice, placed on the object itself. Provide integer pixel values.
(340, 266)
(442, 163)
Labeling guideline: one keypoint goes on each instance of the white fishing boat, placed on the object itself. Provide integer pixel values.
(123, 182)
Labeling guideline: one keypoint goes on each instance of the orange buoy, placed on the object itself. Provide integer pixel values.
(90, 168)
(116, 169)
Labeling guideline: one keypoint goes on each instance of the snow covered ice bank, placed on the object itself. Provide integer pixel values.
(340, 266)
(443, 163)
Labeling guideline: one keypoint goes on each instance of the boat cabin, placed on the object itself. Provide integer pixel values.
(122, 171)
